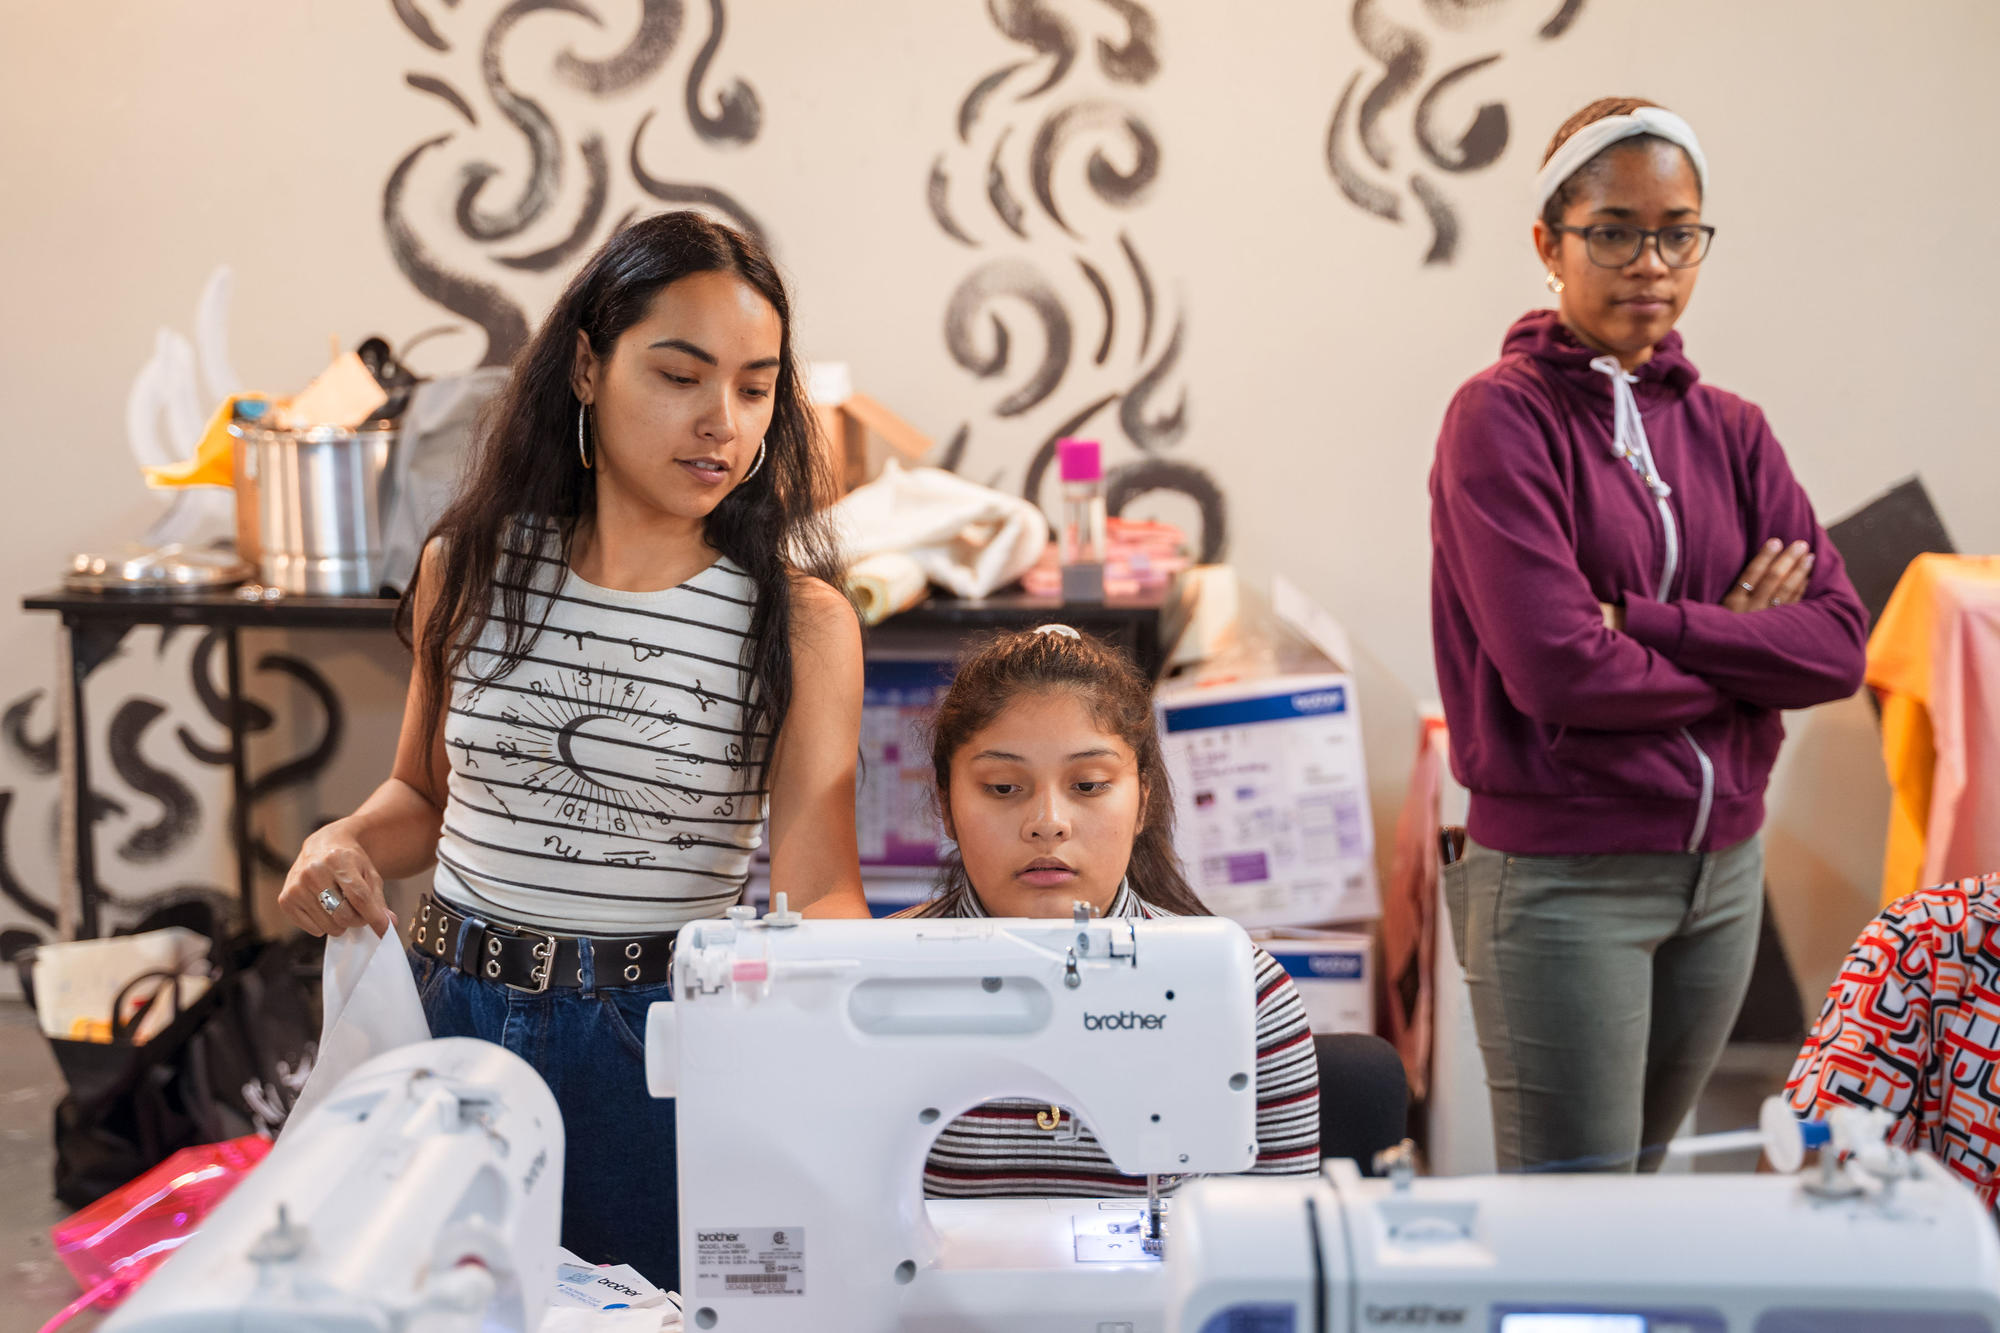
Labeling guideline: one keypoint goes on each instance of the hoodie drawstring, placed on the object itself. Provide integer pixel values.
(1628, 441)
(1628, 435)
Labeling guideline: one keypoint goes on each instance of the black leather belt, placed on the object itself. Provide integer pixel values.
(532, 960)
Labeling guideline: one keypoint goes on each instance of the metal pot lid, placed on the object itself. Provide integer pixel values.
(169, 568)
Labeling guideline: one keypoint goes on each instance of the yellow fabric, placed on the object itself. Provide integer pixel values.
(1900, 670)
(213, 463)
(1908, 751)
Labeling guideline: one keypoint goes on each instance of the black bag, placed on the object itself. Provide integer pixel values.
(231, 1063)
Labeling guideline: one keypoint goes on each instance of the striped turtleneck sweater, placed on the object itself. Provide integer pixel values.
(1016, 1147)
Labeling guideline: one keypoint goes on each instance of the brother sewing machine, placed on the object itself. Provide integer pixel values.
(1875, 1240)
(815, 1063)
(423, 1196)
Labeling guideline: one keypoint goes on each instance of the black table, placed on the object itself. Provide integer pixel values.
(96, 622)
(1131, 622)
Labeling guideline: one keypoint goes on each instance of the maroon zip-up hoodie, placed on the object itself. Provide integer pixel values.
(1574, 739)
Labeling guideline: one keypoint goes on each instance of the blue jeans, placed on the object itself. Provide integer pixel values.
(621, 1202)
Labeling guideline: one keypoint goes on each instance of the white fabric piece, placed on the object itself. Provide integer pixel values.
(370, 1000)
(1599, 135)
(76, 981)
(968, 539)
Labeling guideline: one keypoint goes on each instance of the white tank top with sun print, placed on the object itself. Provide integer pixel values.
(598, 782)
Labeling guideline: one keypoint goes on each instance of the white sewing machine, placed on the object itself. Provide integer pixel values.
(423, 1196)
(815, 1063)
(1876, 1241)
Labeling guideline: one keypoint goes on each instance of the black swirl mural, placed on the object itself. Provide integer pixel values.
(1401, 104)
(1060, 309)
(562, 174)
(156, 811)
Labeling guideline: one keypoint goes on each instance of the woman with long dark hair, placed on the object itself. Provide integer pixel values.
(629, 651)
(1628, 586)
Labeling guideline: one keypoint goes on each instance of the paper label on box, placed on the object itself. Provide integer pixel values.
(1273, 804)
(750, 1261)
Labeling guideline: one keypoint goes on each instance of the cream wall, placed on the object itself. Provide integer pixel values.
(1851, 289)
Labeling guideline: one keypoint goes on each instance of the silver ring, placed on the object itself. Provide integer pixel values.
(329, 900)
(1747, 587)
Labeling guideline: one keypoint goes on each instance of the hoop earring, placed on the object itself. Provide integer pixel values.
(582, 453)
(1555, 284)
(757, 463)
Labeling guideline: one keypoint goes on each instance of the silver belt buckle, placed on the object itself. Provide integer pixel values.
(546, 952)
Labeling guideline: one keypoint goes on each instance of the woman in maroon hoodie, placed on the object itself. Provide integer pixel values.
(1628, 586)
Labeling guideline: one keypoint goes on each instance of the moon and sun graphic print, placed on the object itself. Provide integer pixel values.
(605, 762)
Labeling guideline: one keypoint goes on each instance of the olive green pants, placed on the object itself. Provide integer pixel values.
(1603, 990)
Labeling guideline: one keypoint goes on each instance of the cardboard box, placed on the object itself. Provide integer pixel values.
(1271, 798)
(857, 431)
(1333, 971)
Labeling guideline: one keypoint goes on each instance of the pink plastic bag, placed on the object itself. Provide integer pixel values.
(115, 1243)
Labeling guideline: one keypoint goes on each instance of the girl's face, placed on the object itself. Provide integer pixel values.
(1044, 805)
(683, 401)
(1625, 310)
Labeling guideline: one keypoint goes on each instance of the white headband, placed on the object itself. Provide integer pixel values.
(1599, 135)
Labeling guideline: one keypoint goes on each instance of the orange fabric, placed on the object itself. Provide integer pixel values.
(1931, 662)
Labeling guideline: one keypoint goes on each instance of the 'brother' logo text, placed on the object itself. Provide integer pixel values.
(1125, 1022)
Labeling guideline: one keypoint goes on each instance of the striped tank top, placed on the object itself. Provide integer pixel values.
(598, 784)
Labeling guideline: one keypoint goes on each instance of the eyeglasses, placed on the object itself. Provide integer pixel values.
(1616, 244)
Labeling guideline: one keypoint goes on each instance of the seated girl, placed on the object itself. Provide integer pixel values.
(1051, 781)
(1911, 1025)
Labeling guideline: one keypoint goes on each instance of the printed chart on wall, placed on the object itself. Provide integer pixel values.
(1271, 797)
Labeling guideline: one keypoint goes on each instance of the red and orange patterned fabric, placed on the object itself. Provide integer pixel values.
(1912, 1025)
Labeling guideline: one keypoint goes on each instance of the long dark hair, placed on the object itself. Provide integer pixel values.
(1119, 698)
(526, 475)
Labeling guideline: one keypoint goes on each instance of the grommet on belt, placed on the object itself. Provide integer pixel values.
(632, 949)
(632, 972)
(420, 934)
(493, 946)
(493, 966)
